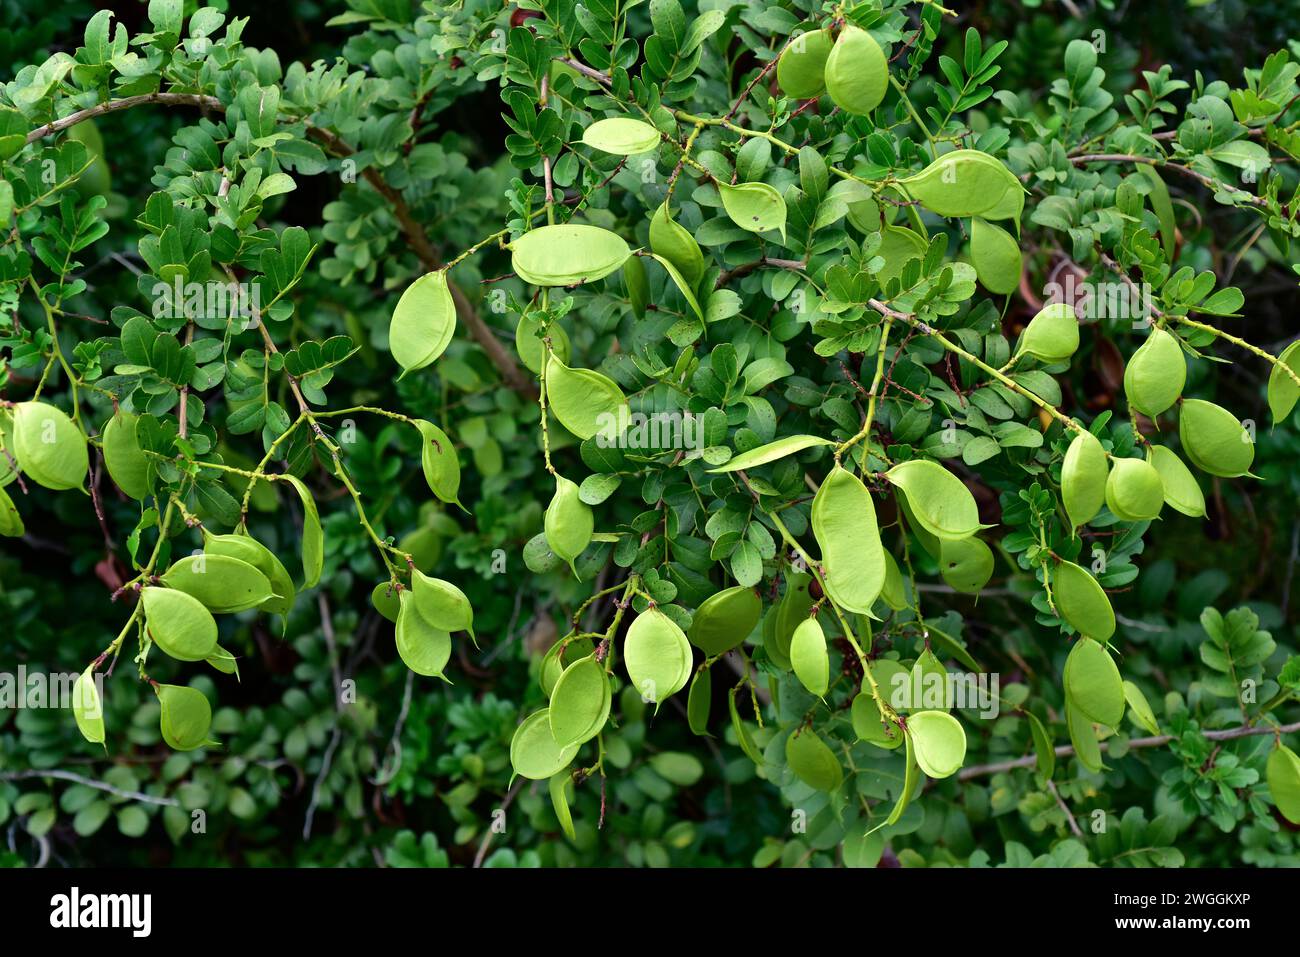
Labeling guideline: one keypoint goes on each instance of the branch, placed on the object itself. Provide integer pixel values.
(90, 783)
(1065, 750)
(112, 106)
(1207, 181)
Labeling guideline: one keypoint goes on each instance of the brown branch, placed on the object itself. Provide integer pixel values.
(112, 106)
(1207, 181)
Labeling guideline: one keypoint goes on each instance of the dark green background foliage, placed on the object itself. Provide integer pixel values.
(436, 100)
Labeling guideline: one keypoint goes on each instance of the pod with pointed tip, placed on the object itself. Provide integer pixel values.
(248, 549)
(567, 255)
(534, 753)
(808, 657)
(657, 656)
(898, 246)
(938, 742)
(1093, 684)
(179, 623)
(225, 585)
(1083, 478)
(580, 702)
(1134, 491)
(770, 452)
(313, 536)
(699, 701)
(1181, 491)
(441, 603)
(11, 522)
(812, 761)
(857, 71)
(674, 242)
(1283, 391)
(1155, 375)
(1084, 738)
(893, 591)
(529, 346)
(126, 462)
(1214, 440)
(964, 183)
(1138, 704)
(966, 565)
(568, 523)
(186, 717)
(938, 500)
(801, 71)
(844, 524)
(724, 620)
(49, 446)
(869, 726)
(585, 401)
(423, 322)
(1052, 335)
(423, 647)
(87, 709)
(755, 207)
(1082, 602)
(1283, 776)
(622, 136)
(995, 254)
(439, 462)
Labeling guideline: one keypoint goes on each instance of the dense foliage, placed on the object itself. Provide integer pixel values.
(797, 434)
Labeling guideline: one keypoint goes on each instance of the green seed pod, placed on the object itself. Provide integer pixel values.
(756, 207)
(313, 537)
(586, 402)
(1283, 776)
(531, 351)
(441, 603)
(638, 294)
(1181, 491)
(439, 462)
(423, 647)
(938, 500)
(1154, 377)
(1134, 491)
(657, 656)
(857, 71)
(248, 549)
(178, 623)
(927, 684)
(87, 709)
(844, 524)
(11, 522)
(1093, 684)
(801, 70)
(1052, 335)
(894, 591)
(1082, 602)
(812, 761)
(567, 255)
(898, 246)
(125, 461)
(225, 585)
(1084, 738)
(223, 661)
(534, 753)
(423, 322)
(966, 565)
(580, 702)
(674, 242)
(622, 136)
(894, 681)
(964, 183)
(938, 742)
(699, 701)
(1214, 440)
(538, 557)
(742, 731)
(1083, 478)
(869, 726)
(559, 785)
(186, 717)
(808, 657)
(996, 257)
(558, 657)
(1142, 713)
(49, 446)
(1282, 389)
(7, 471)
(793, 608)
(387, 599)
(771, 452)
(725, 620)
(569, 523)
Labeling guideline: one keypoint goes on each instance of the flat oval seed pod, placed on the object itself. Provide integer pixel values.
(638, 294)
(1052, 335)
(699, 701)
(178, 623)
(725, 620)
(387, 600)
(1282, 389)
(674, 242)
(771, 452)
(186, 717)
(1134, 491)
(1283, 776)
(756, 207)
(1082, 602)
(579, 702)
(682, 285)
(7, 471)
(657, 656)
(439, 462)
(532, 353)
(586, 402)
(857, 71)
(558, 657)
(1181, 491)
(126, 463)
(1093, 684)
(869, 726)
(812, 761)
(844, 524)
(622, 136)
(1044, 750)
(1083, 478)
(48, 446)
(558, 785)
(533, 751)
(898, 246)
(938, 500)
(742, 731)
(966, 565)
(801, 71)
(1154, 377)
(962, 183)
(225, 585)
(996, 256)
(11, 522)
(1084, 738)
(808, 657)
(223, 661)
(1142, 713)
(569, 522)
(938, 741)
(248, 549)
(911, 779)
(1214, 440)
(567, 255)
(423, 648)
(893, 591)
(87, 709)
(313, 537)
(793, 608)
(441, 603)
(423, 322)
